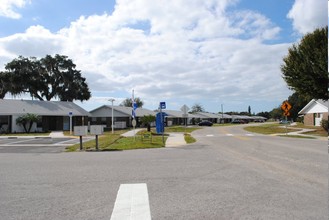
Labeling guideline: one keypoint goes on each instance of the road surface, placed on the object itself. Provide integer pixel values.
(227, 174)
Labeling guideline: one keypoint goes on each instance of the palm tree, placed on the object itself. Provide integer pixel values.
(27, 121)
(148, 119)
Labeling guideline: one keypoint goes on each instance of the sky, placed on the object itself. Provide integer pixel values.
(209, 52)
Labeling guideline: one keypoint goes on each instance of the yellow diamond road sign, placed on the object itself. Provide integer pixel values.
(285, 106)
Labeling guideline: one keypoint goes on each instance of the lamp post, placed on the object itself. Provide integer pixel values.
(112, 100)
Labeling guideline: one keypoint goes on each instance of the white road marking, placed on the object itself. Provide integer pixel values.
(132, 203)
(20, 141)
(209, 135)
(229, 134)
(250, 135)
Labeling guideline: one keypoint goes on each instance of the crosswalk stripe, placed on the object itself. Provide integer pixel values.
(132, 203)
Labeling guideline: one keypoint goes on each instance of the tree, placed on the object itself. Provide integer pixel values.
(264, 114)
(276, 113)
(147, 120)
(197, 108)
(45, 79)
(27, 121)
(128, 103)
(305, 68)
(297, 101)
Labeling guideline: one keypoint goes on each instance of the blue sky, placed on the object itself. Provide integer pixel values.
(182, 52)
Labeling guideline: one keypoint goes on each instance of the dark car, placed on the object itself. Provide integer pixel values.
(239, 121)
(205, 123)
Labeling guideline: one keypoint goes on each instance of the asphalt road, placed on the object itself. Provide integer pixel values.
(37, 144)
(227, 174)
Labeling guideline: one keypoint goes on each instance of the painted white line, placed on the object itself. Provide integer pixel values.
(229, 134)
(21, 141)
(132, 203)
(250, 135)
(209, 135)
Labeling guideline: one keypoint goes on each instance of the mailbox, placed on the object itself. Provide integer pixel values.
(96, 129)
(80, 130)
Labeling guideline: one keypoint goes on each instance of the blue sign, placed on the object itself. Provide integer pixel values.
(70, 113)
(160, 122)
(162, 105)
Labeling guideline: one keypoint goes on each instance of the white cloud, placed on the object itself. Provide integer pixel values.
(7, 8)
(308, 15)
(168, 49)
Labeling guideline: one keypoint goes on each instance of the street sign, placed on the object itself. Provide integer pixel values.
(162, 105)
(70, 113)
(184, 109)
(286, 106)
(134, 122)
(286, 113)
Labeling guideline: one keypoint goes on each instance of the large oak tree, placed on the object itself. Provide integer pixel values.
(305, 68)
(44, 79)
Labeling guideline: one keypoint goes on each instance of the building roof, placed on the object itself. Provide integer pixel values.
(212, 115)
(140, 112)
(176, 114)
(42, 108)
(315, 106)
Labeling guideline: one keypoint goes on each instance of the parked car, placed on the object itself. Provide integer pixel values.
(205, 123)
(284, 122)
(239, 121)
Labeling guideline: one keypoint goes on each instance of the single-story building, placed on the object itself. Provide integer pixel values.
(175, 117)
(53, 115)
(314, 112)
(213, 117)
(122, 116)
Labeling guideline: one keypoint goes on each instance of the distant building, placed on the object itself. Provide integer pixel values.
(122, 116)
(54, 115)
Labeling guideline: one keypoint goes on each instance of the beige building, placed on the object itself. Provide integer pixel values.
(314, 112)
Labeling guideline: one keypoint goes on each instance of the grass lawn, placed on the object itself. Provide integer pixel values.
(189, 139)
(276, 128)
(181, 129)
(115, 142)
(142, 140)
(269, 129)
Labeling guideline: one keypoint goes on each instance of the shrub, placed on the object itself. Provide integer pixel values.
(324, 124)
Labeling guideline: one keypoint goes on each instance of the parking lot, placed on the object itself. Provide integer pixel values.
(37, 144)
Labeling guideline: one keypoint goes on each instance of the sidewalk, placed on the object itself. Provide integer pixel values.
(301, 133)
(175, 140)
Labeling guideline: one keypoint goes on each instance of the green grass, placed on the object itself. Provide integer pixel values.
(297, 136)
(142, 140)
(269, 129)
(189, 139)
(181, 129)
(115, 142)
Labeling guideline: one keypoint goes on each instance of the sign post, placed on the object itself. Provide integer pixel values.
(162, 106)
(185, 109)
(70, 115)
(286, 108)
(134, 125)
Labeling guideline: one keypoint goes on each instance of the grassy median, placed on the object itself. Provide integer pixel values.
(142, 140)
(275, 128)
(116, 142)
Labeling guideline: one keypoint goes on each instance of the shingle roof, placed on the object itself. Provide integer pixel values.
(176, 114)
(47, 108)
(140, 112)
